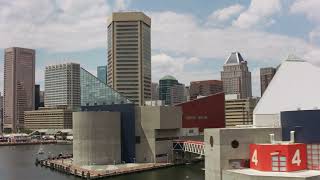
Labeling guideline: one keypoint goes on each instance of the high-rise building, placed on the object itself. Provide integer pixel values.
(102, 73)
(239, 111)
(177, 94)
(37, 96)
(154, 91)
(236, 77)
(205, 88)
(19, 78)
(41, 98)
(165, 85)
(129, 55)
(266, 75)
(62, 85)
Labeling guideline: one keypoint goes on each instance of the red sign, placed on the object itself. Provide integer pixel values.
(278, 157)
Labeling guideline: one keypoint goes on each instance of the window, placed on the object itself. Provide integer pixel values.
(138, 140)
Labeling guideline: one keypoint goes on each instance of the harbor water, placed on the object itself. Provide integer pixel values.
(18, 163)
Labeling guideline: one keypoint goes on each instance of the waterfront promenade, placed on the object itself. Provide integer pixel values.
(35, 142)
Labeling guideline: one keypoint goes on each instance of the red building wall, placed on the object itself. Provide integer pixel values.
(206, 112)
(294, 157)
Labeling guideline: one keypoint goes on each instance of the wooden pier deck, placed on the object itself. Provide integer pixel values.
(65, 166)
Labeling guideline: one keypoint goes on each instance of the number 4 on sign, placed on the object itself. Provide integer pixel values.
(296, 158)
(254, 157)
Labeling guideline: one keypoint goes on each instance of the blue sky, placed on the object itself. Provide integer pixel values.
(190, 39)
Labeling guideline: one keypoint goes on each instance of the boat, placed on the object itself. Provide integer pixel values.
(41, 151)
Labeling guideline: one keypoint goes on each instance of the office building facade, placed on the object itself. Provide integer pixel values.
(239, 111)
(165, 85)
(62, 85)
(129, 55)
(205, 88)
(177, 94)
(59, 117)
(154, 91)
(19, 81)
(236, 77)
(102, 73)
(266, 75)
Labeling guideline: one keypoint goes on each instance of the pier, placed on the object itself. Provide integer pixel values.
(64, 164)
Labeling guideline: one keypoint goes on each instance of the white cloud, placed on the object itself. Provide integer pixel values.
(192, 39)
(56, 25)
(225, 13)
(310, 8)
(163, 64)
(258, 14)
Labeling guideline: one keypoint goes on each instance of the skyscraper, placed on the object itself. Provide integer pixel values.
(165, 85)
(62, 85)
(205, 88)
(154, 91)
(266, 75)
(236, 77)
(129, 55)
(19, 77)
(36, 96)
(177, 94)
(102, 73)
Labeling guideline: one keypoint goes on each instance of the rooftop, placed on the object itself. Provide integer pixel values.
(168, 77)
(234, 58)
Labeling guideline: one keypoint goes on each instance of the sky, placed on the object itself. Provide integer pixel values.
(190, 39)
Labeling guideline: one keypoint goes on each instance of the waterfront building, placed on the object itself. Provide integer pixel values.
(236, 77)
(206, 112)
(19, 81)
(1, 112)
(156, 127)
(266, 75)
(96, 138)
(62, 85)
(293, 87)
(177, 94)
(165, 84)
(129, 55)
(205, 88)
(154, 91)
(102, 73)
(94, 92)
(239, 111)
(59, 117)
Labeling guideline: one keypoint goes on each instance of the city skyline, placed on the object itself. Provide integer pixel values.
(221, 27)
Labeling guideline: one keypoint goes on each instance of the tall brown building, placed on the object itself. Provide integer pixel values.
(19, 77)
(129, 55)
(205, 88)
(266, 75)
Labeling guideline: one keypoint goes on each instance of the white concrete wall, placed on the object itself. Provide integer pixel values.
(96, 138)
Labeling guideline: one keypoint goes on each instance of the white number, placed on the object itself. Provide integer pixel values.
(254, 158)
(296, 158)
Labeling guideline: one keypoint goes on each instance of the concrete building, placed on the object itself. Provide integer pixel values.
(228, 149)
(205, 88)
(102, 73)
(1, 112)
(266, 75)
(156, 127)
(285, 94)
(165, 84)
(19, 78)
(62, 85)
(154, 91)
(236, 76)
(239, 111)
(129, 55)
(59, 117)
(96, 138)
(206, 112)
(177, 94)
